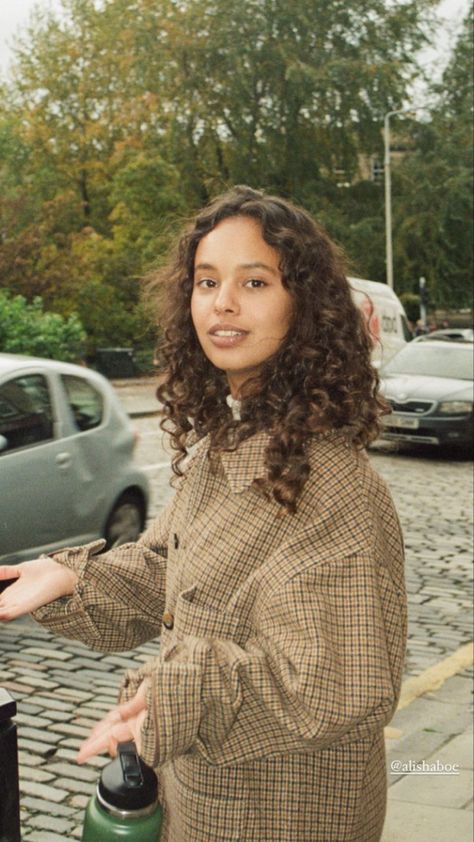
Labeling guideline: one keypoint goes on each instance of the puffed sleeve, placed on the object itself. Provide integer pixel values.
(119, 597)
(323, 664)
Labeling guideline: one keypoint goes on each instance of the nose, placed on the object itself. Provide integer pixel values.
(226, 300)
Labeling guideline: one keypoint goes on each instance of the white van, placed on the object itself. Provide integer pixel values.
(385, 317)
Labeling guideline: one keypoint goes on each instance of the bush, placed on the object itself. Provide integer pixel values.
(26, 329)
(114, 320)
(143, 360)
(411, 303)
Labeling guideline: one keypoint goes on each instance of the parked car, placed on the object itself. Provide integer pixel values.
(454, 334)
(385, 317)
(67, 474)
(429, 386)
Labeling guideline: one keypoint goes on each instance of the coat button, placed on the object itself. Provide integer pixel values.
(168, 620)
(176, 541)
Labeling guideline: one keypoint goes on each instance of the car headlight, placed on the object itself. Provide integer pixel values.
(455, 408)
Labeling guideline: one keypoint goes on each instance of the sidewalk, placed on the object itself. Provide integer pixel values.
(432, 801)
(138, 395)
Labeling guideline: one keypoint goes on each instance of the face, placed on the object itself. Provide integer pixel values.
(240, 309)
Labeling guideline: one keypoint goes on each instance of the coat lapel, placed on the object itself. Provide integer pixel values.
(247, 463)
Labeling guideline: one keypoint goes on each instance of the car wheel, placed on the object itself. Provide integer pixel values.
(125, 521)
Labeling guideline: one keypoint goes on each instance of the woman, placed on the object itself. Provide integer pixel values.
(275, 576)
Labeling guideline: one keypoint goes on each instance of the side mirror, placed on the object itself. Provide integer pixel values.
(3, 443)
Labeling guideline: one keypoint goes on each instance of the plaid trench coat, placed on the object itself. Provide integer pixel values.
(282, 646)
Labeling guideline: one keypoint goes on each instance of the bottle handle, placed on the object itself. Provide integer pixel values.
(130, 762)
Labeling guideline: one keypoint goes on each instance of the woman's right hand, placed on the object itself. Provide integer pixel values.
(36, 583)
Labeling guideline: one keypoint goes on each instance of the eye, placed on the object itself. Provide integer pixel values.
(206, 283)
(255, 283)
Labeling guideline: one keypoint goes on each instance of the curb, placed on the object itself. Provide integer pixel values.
(142, 413)
(434, 677)
(430, 680)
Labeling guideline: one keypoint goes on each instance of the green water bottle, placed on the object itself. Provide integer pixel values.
(125, 805)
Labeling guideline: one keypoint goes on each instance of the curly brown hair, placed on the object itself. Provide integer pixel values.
(320, 379)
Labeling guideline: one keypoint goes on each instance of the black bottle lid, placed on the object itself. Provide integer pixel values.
(127, 783)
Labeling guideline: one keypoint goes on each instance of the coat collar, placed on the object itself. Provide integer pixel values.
(247, 463)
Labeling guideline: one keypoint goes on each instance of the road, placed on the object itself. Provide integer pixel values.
(433, 495)
(62, 688)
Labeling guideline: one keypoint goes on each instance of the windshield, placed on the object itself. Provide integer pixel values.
(433, 361)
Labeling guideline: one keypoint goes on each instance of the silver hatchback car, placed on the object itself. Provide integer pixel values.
(67, 474)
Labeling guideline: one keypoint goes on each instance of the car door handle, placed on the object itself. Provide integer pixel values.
(63, 460)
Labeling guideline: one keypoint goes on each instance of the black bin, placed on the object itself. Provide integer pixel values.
(115, 363)
(9, 793)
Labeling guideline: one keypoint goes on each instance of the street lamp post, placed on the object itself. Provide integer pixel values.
(388, 193)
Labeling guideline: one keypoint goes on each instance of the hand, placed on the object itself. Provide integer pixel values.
(124, 722)
(37, 582)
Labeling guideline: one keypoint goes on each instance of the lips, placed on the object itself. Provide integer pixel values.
(226, 330)
(226, 335)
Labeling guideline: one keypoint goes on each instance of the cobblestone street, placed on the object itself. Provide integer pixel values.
(62, 688)
(434, 502)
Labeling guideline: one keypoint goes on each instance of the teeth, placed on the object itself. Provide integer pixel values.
(228, 333)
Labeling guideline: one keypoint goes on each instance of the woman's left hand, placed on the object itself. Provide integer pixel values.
(124, 722)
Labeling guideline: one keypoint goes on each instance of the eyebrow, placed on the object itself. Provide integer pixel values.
(255, 265)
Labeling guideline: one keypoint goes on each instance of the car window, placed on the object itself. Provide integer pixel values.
(86, 403)
(26, 415)
(433, 361)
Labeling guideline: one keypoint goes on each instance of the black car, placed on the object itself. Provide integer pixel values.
(429, 386)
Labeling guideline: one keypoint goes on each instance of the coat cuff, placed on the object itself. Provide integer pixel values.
(76, 558)
(66, 615)
(174, 711)
(68, 618)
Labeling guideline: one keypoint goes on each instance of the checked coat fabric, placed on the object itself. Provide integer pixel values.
(282, 646)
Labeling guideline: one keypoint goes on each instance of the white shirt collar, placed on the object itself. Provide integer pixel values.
(234, 405)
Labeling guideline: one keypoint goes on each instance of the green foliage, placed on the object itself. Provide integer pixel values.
(143, 360)
(111, 320)
(122, 117)
(411, 303)
(433, 190)
(281, 95)
(27, 329)
(354, 217)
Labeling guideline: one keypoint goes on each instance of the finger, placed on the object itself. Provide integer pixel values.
(123, 711)
(106, 741)
(133, 706)
(9, 572)
(10, 611)
(116, 730)
(137, 725)
(110, 719)
(7, 577)
(93, 746)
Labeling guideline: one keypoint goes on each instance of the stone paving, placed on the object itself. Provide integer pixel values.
(435, 730)
(434, 501)
(62, 688)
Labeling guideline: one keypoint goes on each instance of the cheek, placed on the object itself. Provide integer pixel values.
(274, 314)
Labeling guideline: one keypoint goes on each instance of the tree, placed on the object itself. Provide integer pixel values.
(125, 115)
(280, 94)
(433, 190)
